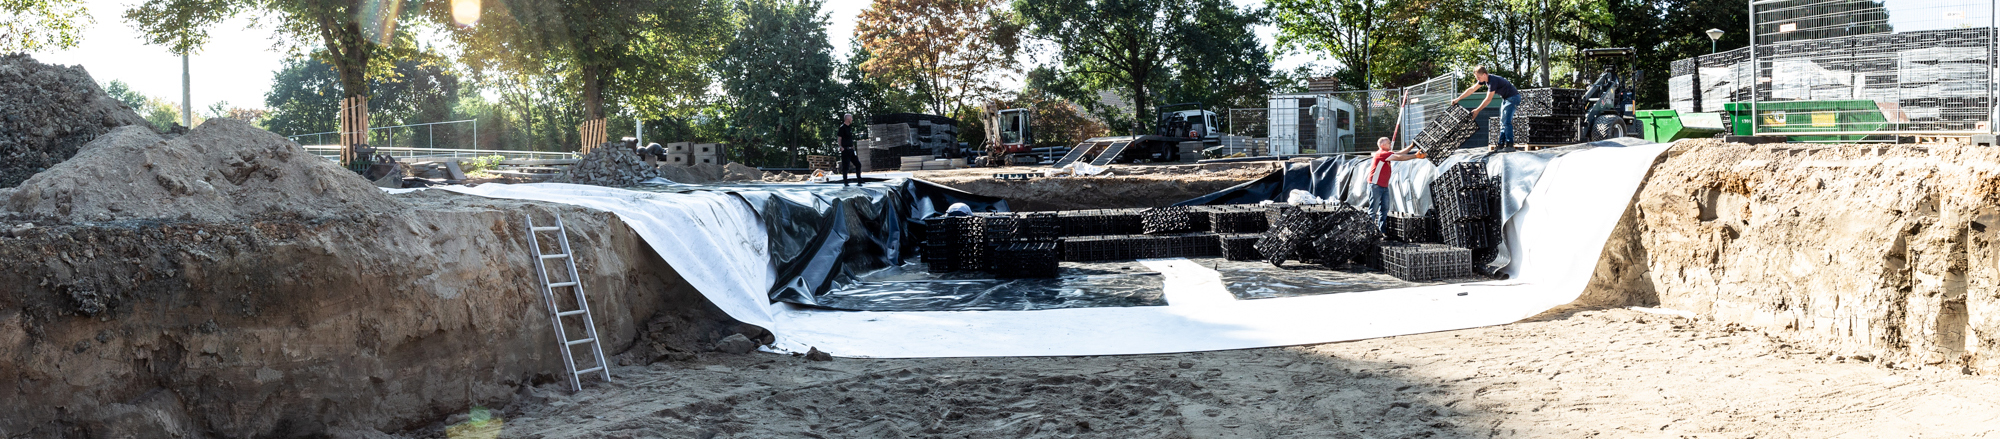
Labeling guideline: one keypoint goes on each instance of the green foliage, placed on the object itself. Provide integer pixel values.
(1139, 48)
(305, 96)
(36, 25)
(477, 164)
(649, 55)
(162, 114)
(125, 94)
(778, 76)
(866, 95)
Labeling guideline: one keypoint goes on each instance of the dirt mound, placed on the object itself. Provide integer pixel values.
(47, 113)
(739, 172)
(223, 170)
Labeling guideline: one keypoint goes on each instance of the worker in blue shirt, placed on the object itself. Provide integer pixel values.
(1510, 99)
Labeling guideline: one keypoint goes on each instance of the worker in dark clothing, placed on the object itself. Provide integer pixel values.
(1510, 98)
(849, 162)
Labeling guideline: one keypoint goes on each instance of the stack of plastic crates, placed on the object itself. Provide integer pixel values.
(1426, 262)
(1173, 219)
(1237, 219)
(1467, 202)
(1099, 222)
(946, 243)
(1021, 245)
(1291, 235)
(1413, 228)
(1240, 246)
(1347, 235)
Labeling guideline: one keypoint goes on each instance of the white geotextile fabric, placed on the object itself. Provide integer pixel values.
(714, 242)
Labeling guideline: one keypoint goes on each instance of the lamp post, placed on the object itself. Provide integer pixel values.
(1713, 34)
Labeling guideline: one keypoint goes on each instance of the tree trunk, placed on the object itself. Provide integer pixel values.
(350, 53)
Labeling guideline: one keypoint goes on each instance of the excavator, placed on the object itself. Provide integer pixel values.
(1009, 140)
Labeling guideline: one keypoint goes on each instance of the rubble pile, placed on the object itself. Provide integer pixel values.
(48, 113)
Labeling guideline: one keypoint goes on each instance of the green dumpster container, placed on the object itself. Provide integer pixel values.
(1667, 125)
(1780, 118)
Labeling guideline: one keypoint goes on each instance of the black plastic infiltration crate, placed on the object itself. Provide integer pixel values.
(1240, 247)
(1426, 262)
(1238, 219)
(1174, 219)
(1348, 235)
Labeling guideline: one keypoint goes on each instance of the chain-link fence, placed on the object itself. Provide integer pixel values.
(1341, 122)
(1852, 70)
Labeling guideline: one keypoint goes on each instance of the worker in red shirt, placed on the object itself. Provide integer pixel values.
(1378, 175)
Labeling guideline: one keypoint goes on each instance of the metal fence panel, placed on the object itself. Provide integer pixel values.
(1854, 70)
(1352, 124)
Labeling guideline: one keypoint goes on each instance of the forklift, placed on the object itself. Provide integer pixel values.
(1609, 101)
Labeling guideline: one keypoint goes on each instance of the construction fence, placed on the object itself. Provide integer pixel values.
(1852, 70)
(1338, 122)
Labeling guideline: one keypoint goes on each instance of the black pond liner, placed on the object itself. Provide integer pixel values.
(1079, 285)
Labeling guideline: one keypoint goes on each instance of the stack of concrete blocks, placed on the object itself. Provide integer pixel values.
(709, 153)
(680, 153)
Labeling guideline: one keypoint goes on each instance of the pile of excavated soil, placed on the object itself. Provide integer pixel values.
(49, 112)
(1882, 251)
(223, 170)
(1126, 186)
(613, 166)
(1611, 373)
(301, 328)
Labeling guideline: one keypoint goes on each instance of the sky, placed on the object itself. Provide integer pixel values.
(239, 61)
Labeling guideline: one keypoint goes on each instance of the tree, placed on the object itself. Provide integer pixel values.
(867, 94)
(951, 51)
(357, 37)
(1230, 68)
(1133, 47)
(1352, 32)
(125, 94)
(778, 74)
(305, 95)
(650, 54)
(33, 25)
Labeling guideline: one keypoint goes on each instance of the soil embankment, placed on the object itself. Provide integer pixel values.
(225, 283)
(1878, 251)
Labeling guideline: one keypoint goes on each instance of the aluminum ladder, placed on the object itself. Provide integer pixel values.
(556, 313)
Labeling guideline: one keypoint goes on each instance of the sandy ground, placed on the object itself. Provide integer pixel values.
(1608, 373)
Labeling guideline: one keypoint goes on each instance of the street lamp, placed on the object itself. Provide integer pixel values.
(1713, 34)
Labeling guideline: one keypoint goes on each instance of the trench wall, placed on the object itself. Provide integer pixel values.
(1887, 251)
(306, 327)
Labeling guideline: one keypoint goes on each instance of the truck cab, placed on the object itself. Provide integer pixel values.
(1195, 125)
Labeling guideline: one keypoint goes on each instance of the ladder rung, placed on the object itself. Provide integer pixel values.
(578, 342)
(546, 229)
(594, 369)
(556, 256)
(562, 284)
(569, 313)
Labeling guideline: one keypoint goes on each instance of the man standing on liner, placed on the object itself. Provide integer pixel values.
(1510, 99)
(849, 162)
